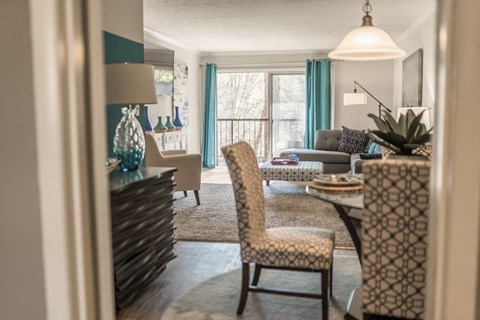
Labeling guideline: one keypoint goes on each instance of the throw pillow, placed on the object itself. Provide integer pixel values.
(353, 141)
(369, 145)
(372, 148)
(365, 156)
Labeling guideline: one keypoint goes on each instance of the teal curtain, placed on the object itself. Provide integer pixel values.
(318, 106)
(208, 145)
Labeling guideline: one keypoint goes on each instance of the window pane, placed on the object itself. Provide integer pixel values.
(288, 103)
(241, 96)
(242, 112)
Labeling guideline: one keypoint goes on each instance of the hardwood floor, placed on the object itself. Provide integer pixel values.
(195, 263)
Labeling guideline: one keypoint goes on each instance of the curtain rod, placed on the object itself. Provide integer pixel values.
(253, 65)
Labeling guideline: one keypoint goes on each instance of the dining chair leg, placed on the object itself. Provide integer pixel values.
(185, 193)
(244, 293)
(197, 197)
(256, 275)
(331, 278)
(325, 281)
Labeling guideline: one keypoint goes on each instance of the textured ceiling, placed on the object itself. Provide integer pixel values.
(213, 26)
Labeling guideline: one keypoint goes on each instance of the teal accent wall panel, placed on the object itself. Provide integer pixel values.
(120, 50)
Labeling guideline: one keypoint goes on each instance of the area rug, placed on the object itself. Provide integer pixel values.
(217, 298)
(287, 205)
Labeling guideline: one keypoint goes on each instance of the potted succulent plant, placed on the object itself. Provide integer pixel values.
(401, 137)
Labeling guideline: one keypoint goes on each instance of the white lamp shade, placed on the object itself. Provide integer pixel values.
(130, 83)
(366, 43)
(417, 110)
(354, 98)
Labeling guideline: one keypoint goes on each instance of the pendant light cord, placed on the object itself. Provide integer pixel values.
(367, 19)
(367, 7)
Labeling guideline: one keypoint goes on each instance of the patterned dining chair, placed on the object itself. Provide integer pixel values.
(395, 228)
(301, 249)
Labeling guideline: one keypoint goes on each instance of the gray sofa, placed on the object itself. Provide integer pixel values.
(326, 146)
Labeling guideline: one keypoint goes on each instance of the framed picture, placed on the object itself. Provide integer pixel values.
(412, 80)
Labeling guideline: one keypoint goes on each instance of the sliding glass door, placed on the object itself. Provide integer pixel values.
(267, 110)
(288, 111)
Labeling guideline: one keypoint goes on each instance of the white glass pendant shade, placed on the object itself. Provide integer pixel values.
(366, 43)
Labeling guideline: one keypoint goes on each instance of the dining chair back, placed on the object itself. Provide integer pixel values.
(300, 249)
(394, 245)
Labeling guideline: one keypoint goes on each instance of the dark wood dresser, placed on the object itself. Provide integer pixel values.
(142, 228)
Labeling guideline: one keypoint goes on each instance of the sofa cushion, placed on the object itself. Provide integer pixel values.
(366, 156)
(327, 139)
(324, 156)
(353, 141)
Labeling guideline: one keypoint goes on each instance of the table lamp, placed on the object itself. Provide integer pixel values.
(129, 84)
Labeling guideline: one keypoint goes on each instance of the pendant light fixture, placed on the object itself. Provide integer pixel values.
(367, 42)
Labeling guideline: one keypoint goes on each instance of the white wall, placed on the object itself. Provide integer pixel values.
(192, 59)
(420, 35)
(124, 18)
(22, 288)
(376, 77)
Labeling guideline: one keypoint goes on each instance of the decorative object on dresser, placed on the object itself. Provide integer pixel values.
(160, 127)
(148, 123)
(142, 228)
(132, 84)
(180, 89)
(189, 166)
(177, 122)
(169, 124)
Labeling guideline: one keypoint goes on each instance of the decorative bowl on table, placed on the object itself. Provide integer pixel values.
(111, 164)
(338, 182)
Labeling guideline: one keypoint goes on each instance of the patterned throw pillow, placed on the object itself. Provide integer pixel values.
(353, 141)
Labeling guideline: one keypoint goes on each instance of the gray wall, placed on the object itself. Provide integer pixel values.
(376, 77)
(22, 292)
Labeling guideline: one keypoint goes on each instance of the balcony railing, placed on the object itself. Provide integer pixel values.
(253, 131)
(257, 132)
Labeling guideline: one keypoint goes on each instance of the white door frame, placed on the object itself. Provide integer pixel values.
(70, 121)
(454, 244)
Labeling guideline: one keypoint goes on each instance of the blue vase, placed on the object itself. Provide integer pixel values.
(129, 140)
(148, 123)
(176, 122)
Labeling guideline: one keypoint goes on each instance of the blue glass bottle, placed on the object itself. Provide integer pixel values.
(148, 123)
(176, 122)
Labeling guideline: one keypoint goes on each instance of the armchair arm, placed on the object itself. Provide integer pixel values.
(189, 170)
(168, 153)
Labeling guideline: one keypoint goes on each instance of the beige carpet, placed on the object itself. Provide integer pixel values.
(217, 298)
(288, 205)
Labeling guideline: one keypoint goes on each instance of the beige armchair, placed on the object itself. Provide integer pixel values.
(189, 166)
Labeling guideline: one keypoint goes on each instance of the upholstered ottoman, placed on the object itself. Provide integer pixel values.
(303, 171)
